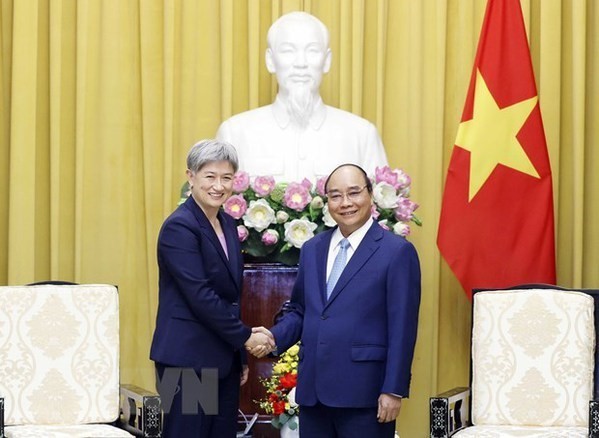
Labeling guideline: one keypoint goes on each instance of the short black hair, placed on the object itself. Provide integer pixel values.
(366, 179)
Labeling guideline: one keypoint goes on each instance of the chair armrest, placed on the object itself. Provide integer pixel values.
(594, 419)
(140, 412)
(449, 412)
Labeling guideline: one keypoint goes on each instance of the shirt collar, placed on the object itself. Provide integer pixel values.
(279, 111)
(354, 238)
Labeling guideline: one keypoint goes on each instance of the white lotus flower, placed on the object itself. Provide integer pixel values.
(299, 231)
(259, 215)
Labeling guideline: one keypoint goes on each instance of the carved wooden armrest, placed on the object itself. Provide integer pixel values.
(594, 419)
(140, 412)
(2, 417)
(449, 412)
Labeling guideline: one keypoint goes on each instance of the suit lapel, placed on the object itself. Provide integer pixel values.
(363, 252)
(208, 231)
(235, 263)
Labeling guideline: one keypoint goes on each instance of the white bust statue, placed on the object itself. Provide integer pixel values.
(298, 136)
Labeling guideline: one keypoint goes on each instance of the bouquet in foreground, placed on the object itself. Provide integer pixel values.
(280, 390)
(274, 219)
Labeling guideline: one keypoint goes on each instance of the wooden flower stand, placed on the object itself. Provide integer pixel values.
(266, 286)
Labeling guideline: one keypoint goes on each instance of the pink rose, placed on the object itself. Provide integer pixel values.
(263, 185)
(241, 181)
(270, 237)
(296, 196)
(320, 185)
(242, 233)
(404, 210)
(236, 206)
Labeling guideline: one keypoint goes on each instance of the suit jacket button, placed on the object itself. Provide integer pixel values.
(234, 304)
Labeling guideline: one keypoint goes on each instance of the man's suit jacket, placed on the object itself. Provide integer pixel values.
(198, 323)
(359, 343)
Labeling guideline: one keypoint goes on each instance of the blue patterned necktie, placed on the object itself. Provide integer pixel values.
(338, 266)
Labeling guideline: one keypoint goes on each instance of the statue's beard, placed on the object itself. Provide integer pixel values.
(300, 104)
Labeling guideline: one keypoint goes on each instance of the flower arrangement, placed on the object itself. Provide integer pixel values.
(274, 219)
(280, 390)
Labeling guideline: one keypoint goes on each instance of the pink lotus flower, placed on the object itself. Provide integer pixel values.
(401, 229)
(384, 225)
(296, 196)
(385, 174)
(404, 210)
(242, 233)
(374, 212)
(403, 179)
(236, 206)
(263, 185)
(241, 181)
(397, 178)
(270, 237)
(320, 185)
(307, 184)
(317, 202)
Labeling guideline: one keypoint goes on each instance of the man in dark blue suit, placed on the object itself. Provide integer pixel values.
(355, 309)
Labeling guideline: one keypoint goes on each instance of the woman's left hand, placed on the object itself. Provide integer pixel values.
(245, 372)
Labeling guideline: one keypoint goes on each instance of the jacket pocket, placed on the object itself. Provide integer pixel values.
(361, 353)
(182, 312)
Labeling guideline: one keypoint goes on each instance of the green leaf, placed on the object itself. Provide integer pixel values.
(184, 189)
(290, 257)
(292, 423)
(416, 220)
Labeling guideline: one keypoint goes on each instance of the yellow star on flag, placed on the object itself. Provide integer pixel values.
(490, 136)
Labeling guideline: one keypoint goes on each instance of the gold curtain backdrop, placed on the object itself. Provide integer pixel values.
(101, 100)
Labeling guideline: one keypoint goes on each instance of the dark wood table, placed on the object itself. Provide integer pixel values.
(266, 286)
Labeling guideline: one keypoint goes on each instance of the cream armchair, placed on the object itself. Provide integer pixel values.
(532, 367)
(59, 366)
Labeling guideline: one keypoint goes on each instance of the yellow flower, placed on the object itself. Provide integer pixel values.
(279, 368)
(279, 386)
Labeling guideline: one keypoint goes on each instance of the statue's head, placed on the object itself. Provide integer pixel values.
(298, 53)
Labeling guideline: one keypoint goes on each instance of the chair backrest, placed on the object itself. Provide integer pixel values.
(533, 356)
(59, 354)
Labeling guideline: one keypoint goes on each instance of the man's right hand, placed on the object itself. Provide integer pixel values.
(261, 342)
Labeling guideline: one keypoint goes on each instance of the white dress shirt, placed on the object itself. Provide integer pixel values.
(354, 240)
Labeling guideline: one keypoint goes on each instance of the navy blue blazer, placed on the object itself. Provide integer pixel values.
(359, 343)
(197, 324)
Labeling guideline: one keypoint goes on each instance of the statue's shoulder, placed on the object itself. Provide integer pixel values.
(341, 116)
(252, 116)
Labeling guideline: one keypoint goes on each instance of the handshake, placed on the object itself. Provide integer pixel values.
(261, 342)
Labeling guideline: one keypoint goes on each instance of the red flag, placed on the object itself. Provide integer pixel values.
(496, 225)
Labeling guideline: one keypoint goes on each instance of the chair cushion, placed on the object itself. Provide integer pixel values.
(59, 354)
(522, 431)
(79, 431)
(532, 356)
